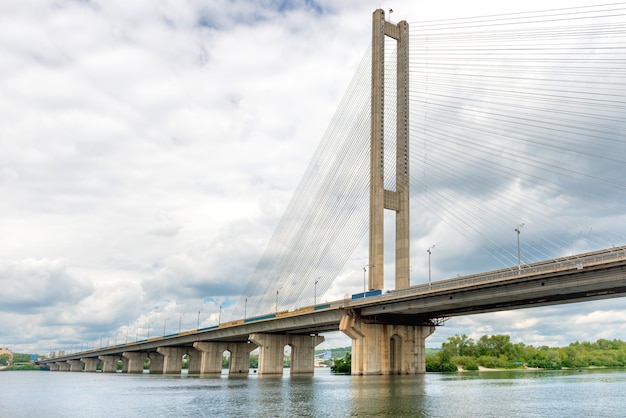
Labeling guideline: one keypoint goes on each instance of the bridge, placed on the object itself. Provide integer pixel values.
(388, 329)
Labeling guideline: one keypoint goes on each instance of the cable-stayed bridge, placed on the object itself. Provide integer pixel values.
(508, 120)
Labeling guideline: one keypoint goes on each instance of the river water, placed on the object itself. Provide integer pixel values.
(589, 393)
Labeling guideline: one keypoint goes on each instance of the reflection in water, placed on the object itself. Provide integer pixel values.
(593, 393)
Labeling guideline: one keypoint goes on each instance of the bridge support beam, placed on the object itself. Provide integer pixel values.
(53, 367)
(386, 348)
(303, 353)
(156, 362)
(109, 363)
(172, 359)
(135, 361)
(64, 366)
(75, 365)
(271, 352)
(91, 363)
(240, 357)
(195, 361)
(212, 354)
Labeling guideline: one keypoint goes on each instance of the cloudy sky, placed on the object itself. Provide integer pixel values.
(148, 150)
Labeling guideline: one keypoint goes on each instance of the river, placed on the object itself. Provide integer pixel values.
(587, 393)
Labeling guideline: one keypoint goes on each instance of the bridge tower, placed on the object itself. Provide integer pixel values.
(380, 198)
(388, 344)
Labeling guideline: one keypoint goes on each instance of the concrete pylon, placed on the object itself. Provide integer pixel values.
(109, 363)
(135, 360)
(64, 366)
(303, 352)
(271, 352)
(156, 362)
(212, 353)
(53, 367)
(75, 365)
(381, 199)
(240, 357)
(385, 348)
(195, 361)
(211, 356)
(172, 359)
(91, 363)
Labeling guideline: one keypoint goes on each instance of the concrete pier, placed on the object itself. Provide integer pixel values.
(156, 362)
(109, 363)
(386, 348)
(195, 361)
(91, 363)
(272, 349)
(53, 367)
(172, 359)
(212, 353)
(64, 366)
(135, 361)
(75, 365)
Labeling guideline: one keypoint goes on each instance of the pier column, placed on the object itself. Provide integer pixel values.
(53, 367)
(303, 352)
(211, 356)
(386, 348)
(124, 361)
(75, 365)
(240, 357)
(63, 366)
(156, 362)
(91, 363)
(135, 361)
(271, 352)
(109, 363)
(195, 361)
(172, 359)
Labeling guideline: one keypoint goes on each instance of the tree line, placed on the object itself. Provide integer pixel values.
(497, 351)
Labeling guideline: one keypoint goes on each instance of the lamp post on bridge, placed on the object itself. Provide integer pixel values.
(315, 292)
(116, 332)
(519, 260)
(219, 317)
(429, 252)
(198, 326)
(245, 308)
(180, 321)
(277, 300)
(164, 324)
(364, 272)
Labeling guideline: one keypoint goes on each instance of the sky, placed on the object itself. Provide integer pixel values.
(150, 148)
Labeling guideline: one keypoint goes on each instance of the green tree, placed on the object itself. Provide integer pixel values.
(342, 365)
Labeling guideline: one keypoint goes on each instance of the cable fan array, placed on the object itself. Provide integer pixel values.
(516, 118)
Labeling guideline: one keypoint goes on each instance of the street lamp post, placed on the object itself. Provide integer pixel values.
(315, 292)
(276, 301)
(180, 321)
(364, 271)
(219, 317)
(245, 308)
(519, 260)
(429, 252)
(164, 325)
(149, 323)
(116, 332)
(198, 326)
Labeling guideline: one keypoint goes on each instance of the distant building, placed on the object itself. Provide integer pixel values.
(4, 351)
